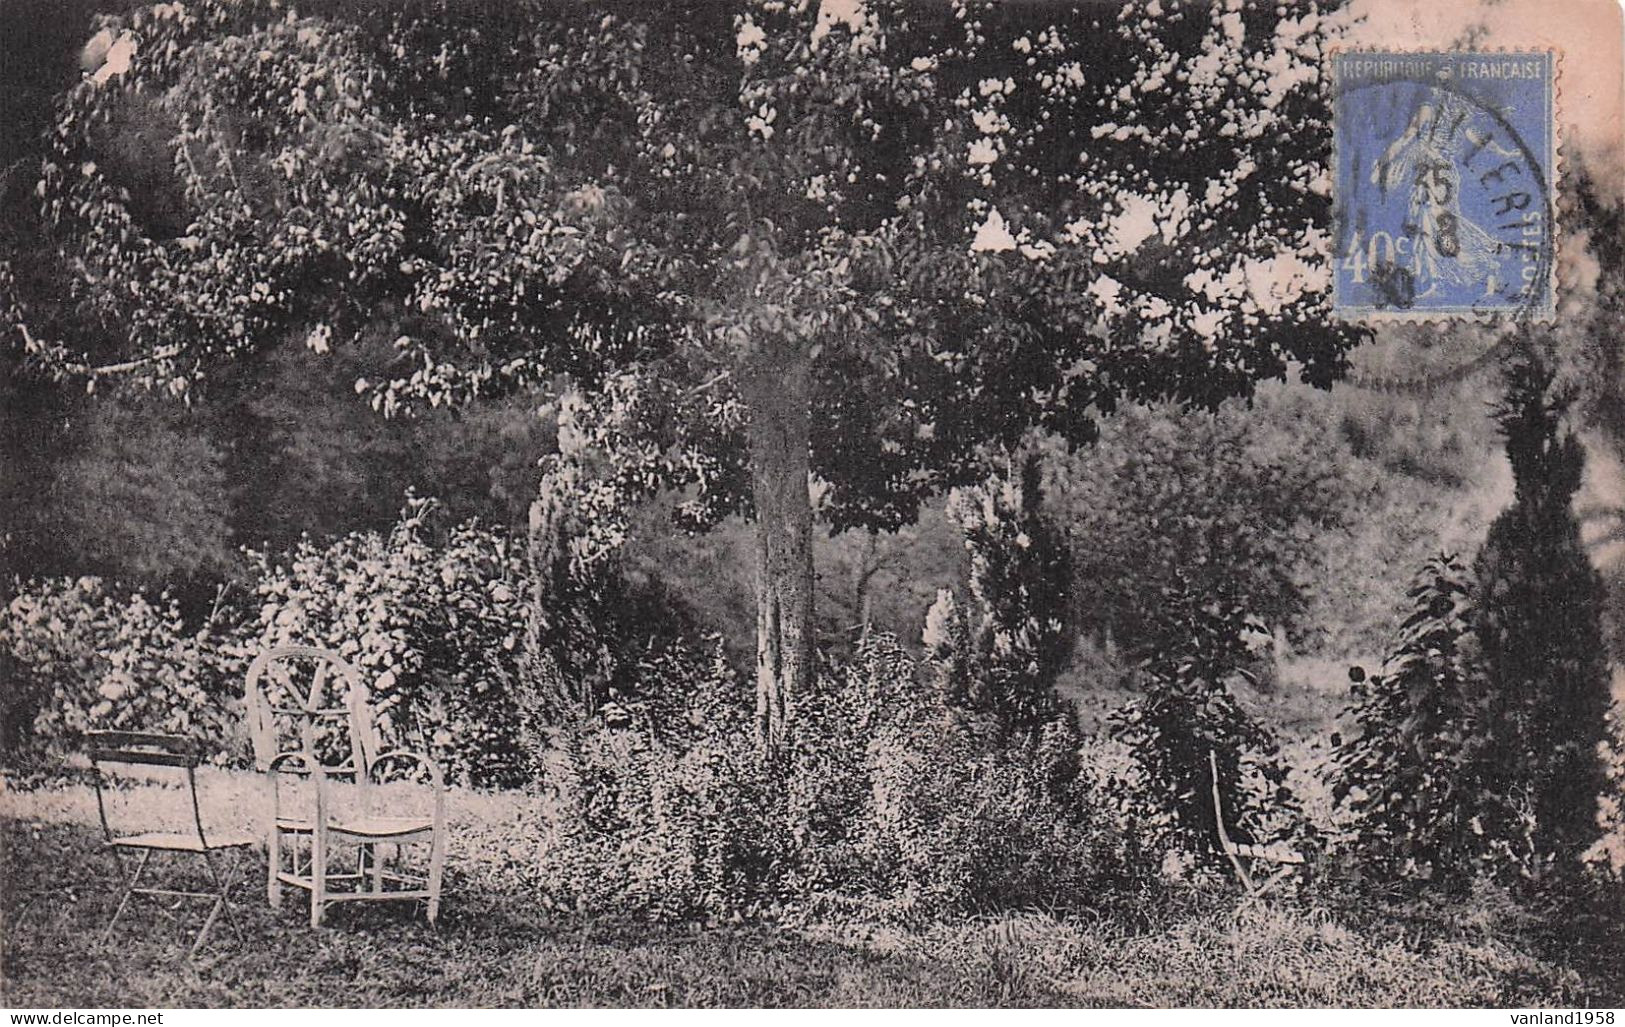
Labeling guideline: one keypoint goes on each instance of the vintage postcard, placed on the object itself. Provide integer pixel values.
(514, 504)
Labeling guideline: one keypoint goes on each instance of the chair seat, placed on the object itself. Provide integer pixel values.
(381, 827)
(367, 827)
(180, 842)
(1276, 853)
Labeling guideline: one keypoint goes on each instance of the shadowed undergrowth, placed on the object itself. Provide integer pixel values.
(498, 946)
(486, 952)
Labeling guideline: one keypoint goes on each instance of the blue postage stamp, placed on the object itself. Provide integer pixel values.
(1444, 184)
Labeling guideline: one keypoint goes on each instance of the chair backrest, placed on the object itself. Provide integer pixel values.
(141, 749)
(309, 700)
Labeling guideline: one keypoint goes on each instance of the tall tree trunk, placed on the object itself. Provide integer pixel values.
(780, 418)
(869, 565)
(565, 690)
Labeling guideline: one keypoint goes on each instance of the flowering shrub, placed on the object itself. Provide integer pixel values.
(438, 620)
(79, 658)
(436, 628)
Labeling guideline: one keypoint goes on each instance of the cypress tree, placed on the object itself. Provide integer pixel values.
(1013, 633)
(1544, 696)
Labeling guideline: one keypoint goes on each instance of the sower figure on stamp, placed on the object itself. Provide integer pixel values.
(1447, 243)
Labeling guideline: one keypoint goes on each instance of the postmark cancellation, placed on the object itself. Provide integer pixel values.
(1444, 181)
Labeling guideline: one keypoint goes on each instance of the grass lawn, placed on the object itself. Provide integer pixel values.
(497, 946)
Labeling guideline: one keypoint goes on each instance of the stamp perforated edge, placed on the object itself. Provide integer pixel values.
(1561, 212)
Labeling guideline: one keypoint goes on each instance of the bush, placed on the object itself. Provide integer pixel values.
(672, 822)
(1189, 712)
(1537, 618)
(437, 629)
(997, 653)
(1234, 503)
(954, 826)
(924, 813)
(884, 807)
(442, 621)
(435, 626)
(1483, 750)
(78, 658)
(636, 825)
(591, 631)
(1403, 775)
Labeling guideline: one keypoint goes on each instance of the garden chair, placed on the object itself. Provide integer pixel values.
(335, 742)
(130, 749)
(1241, 854)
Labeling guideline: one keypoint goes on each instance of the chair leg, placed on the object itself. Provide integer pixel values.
(273, 876)
(1279, 876)
(129, 889)
(318, 876)
(1255, 890)
(222, 885)
(208, 922)
(1242, 875)
(437, 866)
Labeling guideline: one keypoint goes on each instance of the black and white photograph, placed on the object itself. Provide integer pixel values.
(817, 504)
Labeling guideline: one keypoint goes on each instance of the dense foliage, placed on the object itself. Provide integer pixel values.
(1541, 711)
(594, 634)
(341, 144)
(887, 807)
(1189, 721)
(77, 655)
(434, 615)
(1404, 771)
(1482, 749)
(996, 650)
(152, 492)
(436, 626)
(1235, 503)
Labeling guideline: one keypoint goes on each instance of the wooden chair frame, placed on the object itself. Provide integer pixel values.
(1241, 854)
(155, 750)
(323, 827)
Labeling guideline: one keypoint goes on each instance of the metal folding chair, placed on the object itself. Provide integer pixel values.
(336, 740)
(131, 748)
(1241, 854)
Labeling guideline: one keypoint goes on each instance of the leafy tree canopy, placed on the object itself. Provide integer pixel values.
(961, 221)
(938, 227)
(1238, 505)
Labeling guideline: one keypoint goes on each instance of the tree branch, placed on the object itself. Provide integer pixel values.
(81, 368)
(710, 383)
